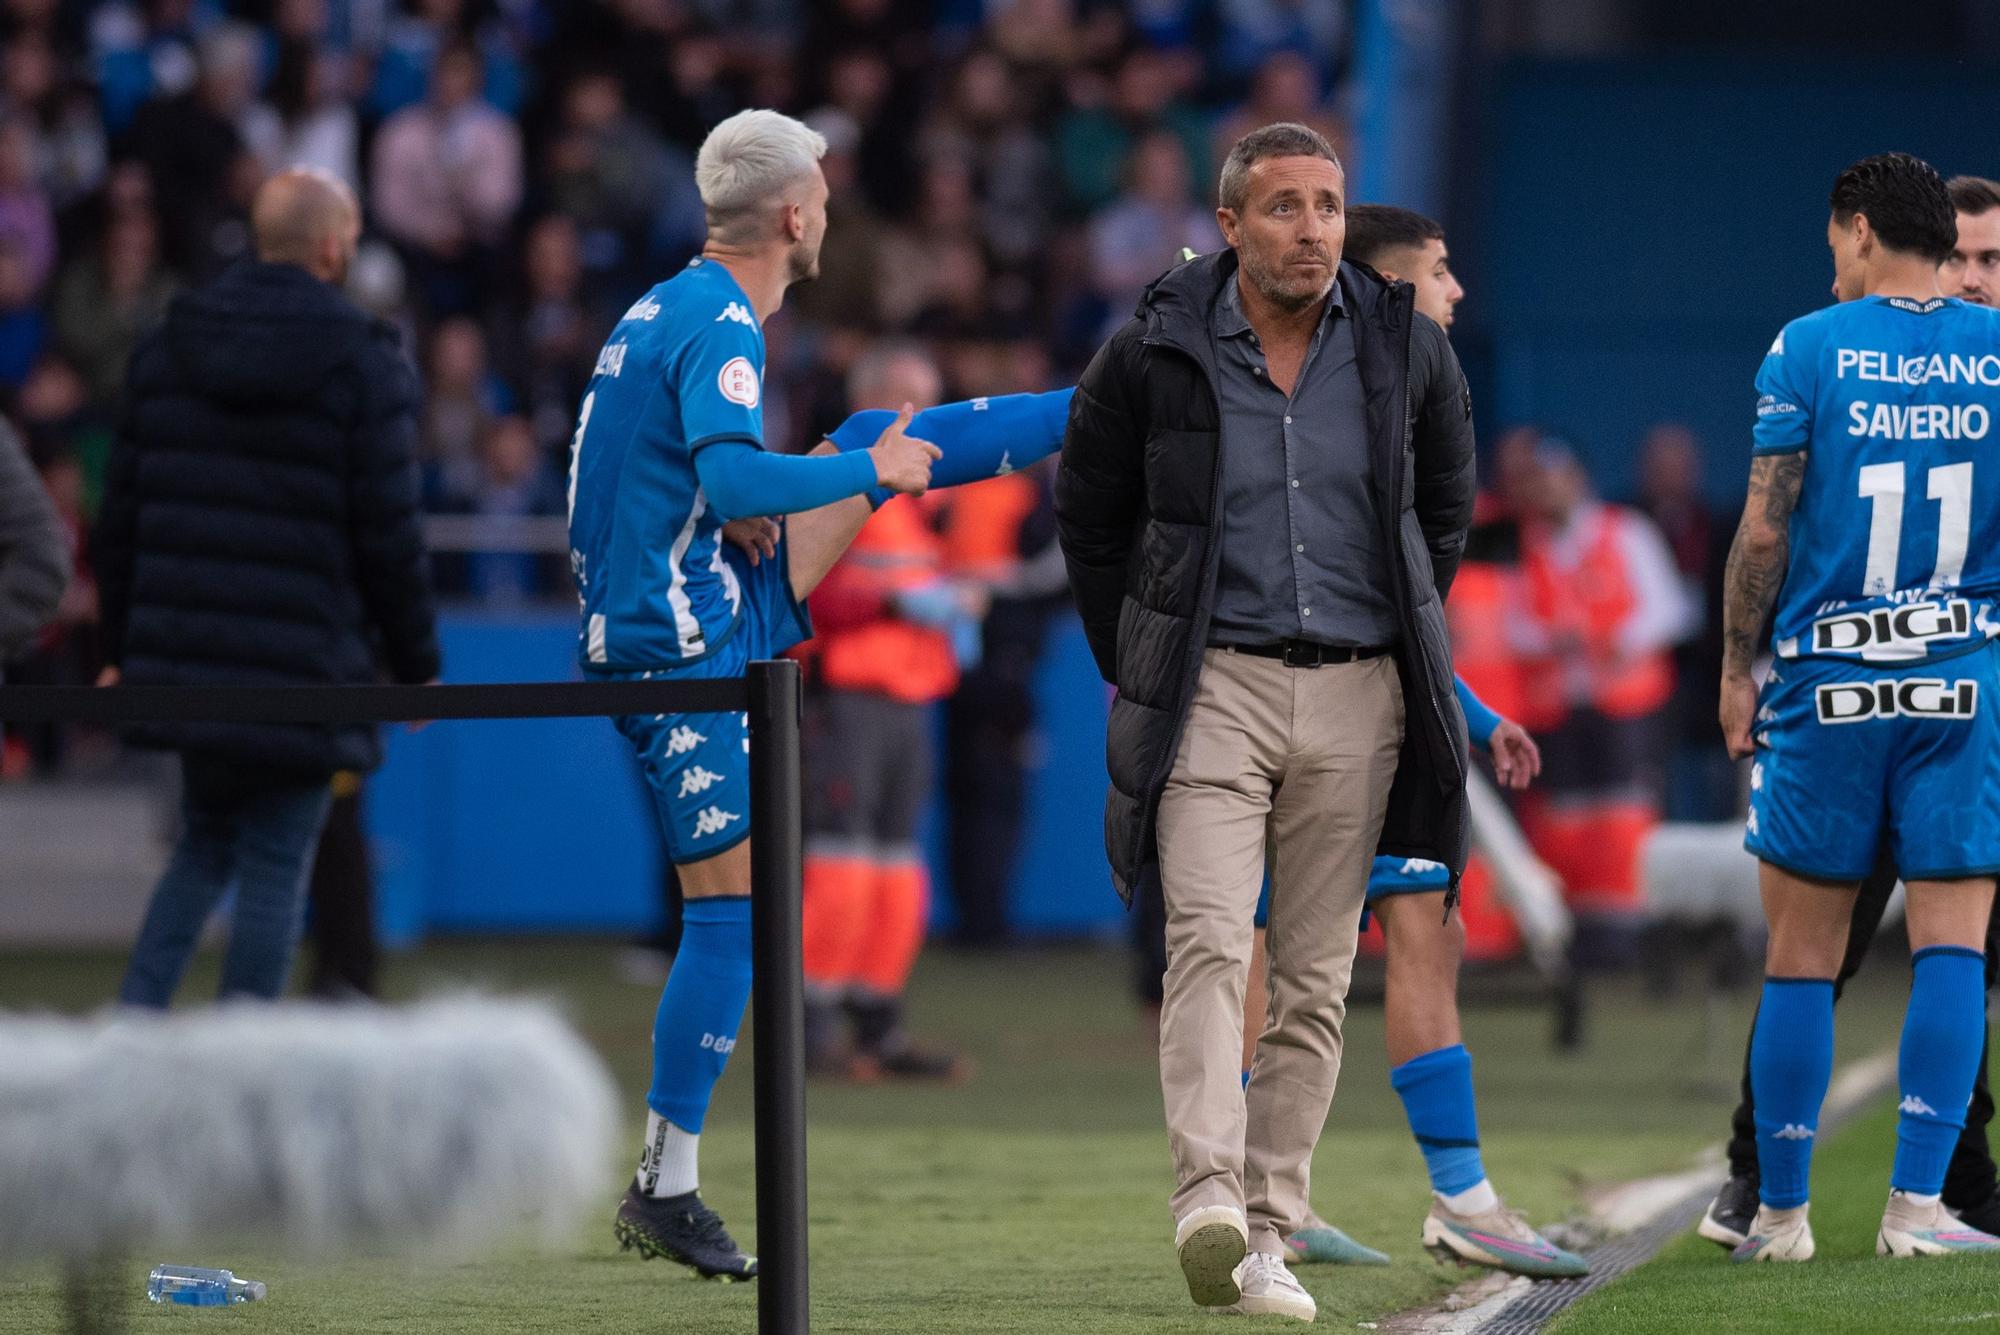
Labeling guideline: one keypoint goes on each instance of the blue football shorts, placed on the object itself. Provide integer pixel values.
(1850, 754)
(698, 765)
(1389, 876)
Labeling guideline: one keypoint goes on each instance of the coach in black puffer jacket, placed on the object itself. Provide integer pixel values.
(1138, 508)
(260, 520)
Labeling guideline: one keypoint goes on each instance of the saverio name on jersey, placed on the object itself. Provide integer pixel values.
(1918, 421)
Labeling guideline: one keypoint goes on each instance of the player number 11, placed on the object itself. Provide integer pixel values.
(1951, 486)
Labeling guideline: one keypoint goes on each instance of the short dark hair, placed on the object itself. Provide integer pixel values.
(1973, 195)
(1284, 139)
(1904, 200)
(1373, 230)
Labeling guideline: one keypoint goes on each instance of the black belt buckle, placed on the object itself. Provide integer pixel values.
(1299, 654)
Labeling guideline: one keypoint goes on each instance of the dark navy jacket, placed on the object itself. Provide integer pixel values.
(260, 520)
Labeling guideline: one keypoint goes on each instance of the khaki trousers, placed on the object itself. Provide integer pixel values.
(1309, 754)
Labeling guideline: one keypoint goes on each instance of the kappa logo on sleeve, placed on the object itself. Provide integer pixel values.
(738, 381)
(736, 311)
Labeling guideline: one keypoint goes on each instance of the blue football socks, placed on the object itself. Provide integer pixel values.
(1791, 1061)
(1942, 1030)
(701, 1009)
(1436, 1089)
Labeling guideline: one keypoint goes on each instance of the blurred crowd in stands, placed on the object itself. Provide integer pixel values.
(1007, 176)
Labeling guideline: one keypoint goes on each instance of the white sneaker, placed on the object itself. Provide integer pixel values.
(1270, 1289)
(1777, 1235)
(1909, 1229)
(1211, 1242)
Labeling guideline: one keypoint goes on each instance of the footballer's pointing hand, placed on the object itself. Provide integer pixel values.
(903, 463)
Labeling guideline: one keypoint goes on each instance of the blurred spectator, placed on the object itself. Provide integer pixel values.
(1286, 88)
(1603, 607)
(308, 122)
(1096, 142)
(27, 223)
(66, 651)
(1253, 30)
(513, 481)
(853, 268)
(34, 561)
(242, 542)
(546, 341)
(23, 327)
(987, 125)
(141, 49)
(192, 147)
(464, 397)
(107, 298)
(447, 180)
(1701, 783)
(1142, 233)
(72, 146)
(414, 47)
(632, 196)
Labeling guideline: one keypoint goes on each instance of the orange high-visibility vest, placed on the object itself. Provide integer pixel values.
(896, 550)
(1593, 601)
(1483, 597)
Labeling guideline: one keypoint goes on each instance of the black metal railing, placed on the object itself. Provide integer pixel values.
(769, 692)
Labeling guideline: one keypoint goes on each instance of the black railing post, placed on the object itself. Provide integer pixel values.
(777, 878)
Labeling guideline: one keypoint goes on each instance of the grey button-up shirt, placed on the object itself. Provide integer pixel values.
(1301, 553)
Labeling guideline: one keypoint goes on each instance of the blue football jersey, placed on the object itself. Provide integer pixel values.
(1895, 542)
(683, 369)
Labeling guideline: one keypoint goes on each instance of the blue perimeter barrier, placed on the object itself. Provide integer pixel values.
(543, 825)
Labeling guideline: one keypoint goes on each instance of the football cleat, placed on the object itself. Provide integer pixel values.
(1909, 1229)
(1320, 1243)
(1727, 1219)
(683, 1229)
(1776, 1235)
(1499, 1238)
(1211, 1243)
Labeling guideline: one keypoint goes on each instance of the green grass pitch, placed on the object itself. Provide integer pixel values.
(1033, 1198)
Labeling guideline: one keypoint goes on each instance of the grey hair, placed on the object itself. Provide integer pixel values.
(749, 160)
(1284, 139)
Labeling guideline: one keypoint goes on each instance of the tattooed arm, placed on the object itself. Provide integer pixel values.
(1756, 570)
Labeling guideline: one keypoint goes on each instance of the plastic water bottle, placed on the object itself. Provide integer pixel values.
(194, 1286)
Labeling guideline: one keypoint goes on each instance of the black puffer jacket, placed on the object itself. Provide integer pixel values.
(260, 518)
(1138, 507)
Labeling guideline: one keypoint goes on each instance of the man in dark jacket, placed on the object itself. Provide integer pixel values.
(34, 557)
(1263, 496)
(260, 528)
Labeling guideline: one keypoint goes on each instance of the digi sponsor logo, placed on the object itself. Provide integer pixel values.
(1916, 624)
(713, 820)
(1911, 697)
(738, 381)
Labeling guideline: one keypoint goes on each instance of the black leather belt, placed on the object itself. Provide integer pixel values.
(1304, 654)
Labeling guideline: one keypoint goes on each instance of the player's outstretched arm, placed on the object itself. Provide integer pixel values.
(1750, 583)
(742, 480)
(976, 438)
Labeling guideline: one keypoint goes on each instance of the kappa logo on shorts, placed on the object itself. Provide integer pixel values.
(1420, 867)
(714, 820)
(738, 381)
(1916, 1107)
(1912, 697)
(695, 779)
(1915, 625)
(683, 740)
